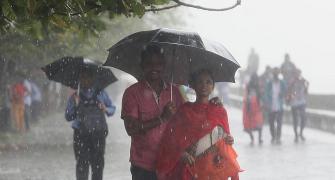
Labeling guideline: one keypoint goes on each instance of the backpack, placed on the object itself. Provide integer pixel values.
(92, 118)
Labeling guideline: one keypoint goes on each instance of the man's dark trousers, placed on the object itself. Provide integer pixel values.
(89, 150)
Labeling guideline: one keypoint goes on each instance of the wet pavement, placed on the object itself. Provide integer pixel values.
(46, 153)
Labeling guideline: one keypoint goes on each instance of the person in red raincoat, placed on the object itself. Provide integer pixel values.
(197, 143)
(252, 112)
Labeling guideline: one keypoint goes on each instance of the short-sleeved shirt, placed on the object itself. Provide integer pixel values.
(276, 96)
(27, 96)
(141, 103)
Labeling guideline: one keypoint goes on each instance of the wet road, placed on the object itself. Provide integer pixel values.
(51, 158)
(49, 155)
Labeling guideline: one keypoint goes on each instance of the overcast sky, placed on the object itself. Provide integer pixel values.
(303, 28)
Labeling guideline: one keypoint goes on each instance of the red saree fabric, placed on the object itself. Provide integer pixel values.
(218, 165)
(252, 114)
(191, 122)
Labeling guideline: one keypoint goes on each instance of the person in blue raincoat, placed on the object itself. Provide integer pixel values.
(87, 109)
(275, 97)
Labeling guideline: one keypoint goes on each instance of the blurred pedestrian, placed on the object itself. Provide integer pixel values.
(297, 98)
(275, 97)
(263, 81)
(288, 69)
(223, 92)
(17, 93)
(86, 109)
(264, 78)
(27, 103)
(53, 98)
(253, 62)
(252, 113)
(36, 101)
(6, 111)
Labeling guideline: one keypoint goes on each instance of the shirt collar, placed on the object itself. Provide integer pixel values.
(147, 85)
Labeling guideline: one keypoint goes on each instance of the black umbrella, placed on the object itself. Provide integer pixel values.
(185, 52)
(67, 69)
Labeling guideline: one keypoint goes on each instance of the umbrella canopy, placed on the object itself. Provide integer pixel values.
(185, 52)
(67, 69)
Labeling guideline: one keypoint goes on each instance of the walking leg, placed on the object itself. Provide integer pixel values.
(279, 120)
(303, 121)
(20, 118)
(27, 116)
(295, 122)
(251, 136)
(15, 116)
(260, 139)
(97, 157)
(272, 126)
(81, 151)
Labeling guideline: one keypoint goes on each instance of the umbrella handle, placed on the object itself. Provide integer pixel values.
(78, 90)
(171, 88)
(172, 64)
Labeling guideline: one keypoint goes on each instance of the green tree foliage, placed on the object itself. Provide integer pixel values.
(29, 54)
(29, 51)
(36, 32)
(38, 17)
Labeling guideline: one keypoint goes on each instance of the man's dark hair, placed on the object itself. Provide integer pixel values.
(149, 51)
(86, 71)
(194, 76)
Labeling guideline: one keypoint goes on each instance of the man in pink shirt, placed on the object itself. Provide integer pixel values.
(146, 107)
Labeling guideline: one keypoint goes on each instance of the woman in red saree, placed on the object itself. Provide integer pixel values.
(197, 142)
(252, 112)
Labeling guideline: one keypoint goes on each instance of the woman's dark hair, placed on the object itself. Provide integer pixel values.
(149, 51)
(194, 76)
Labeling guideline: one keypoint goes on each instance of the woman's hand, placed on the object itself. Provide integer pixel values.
(229, 139)
(187, 158)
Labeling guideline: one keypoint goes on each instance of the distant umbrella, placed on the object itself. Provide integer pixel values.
(185, 52)
(67, 69)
